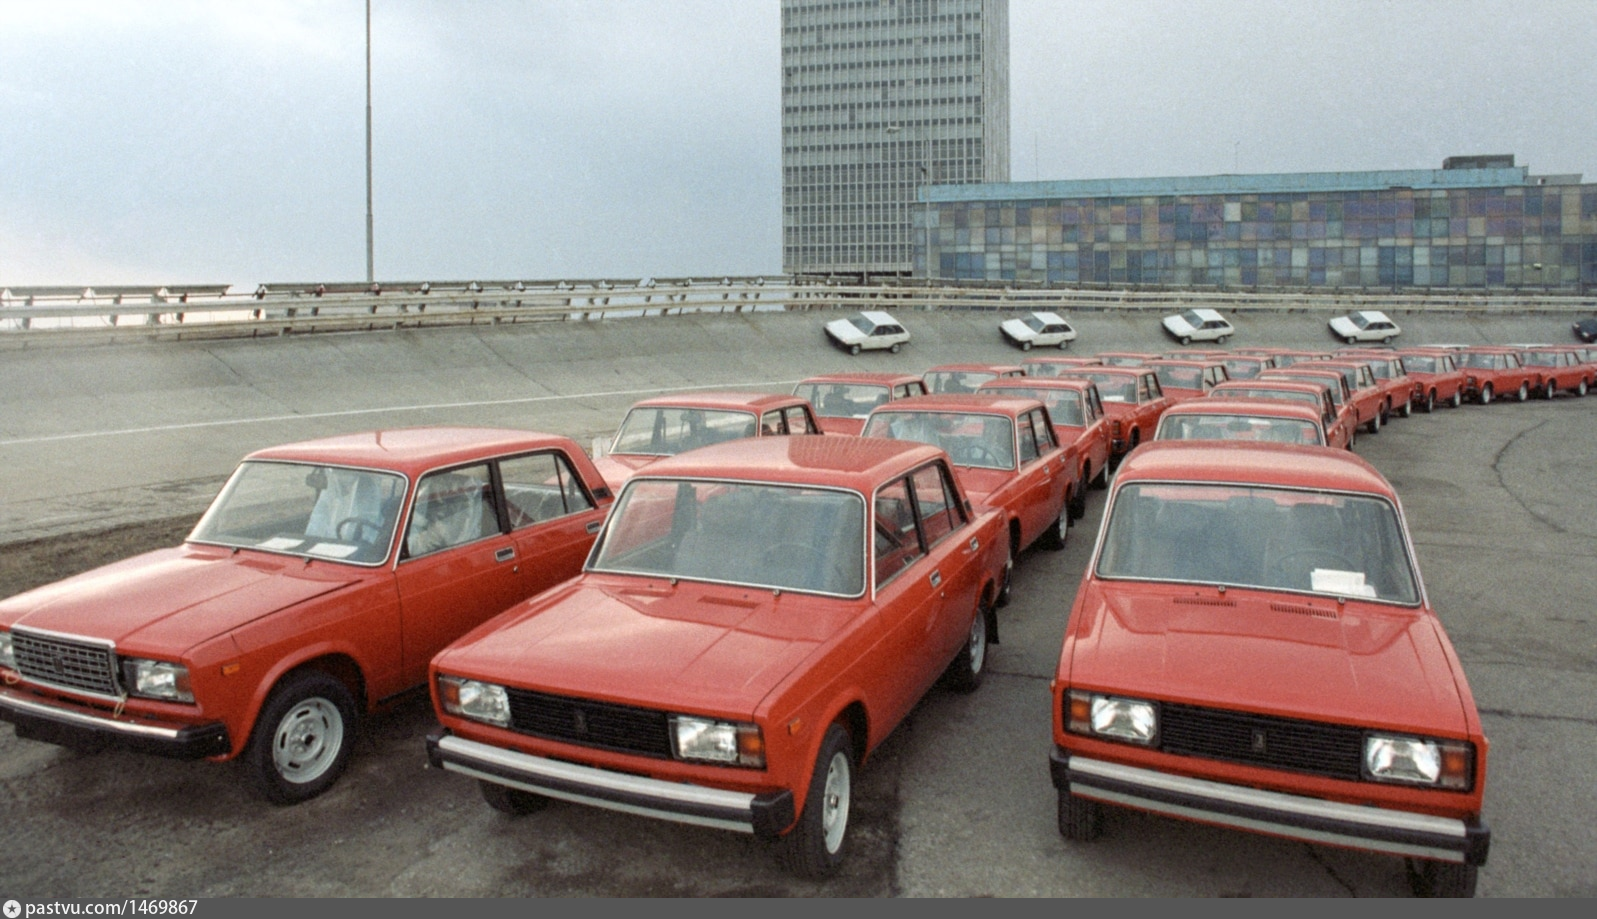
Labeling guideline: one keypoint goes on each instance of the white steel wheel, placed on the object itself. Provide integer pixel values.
(1486, 394)
(1430, 401)
(964, 673)
(853, 349)
(1025, 346)
(1580, 388)
(816, 845)
(1524, 392)
(302, 738)
(897, 347)
(1458, 398)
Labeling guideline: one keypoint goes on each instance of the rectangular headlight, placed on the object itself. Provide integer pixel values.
(731, 742)
(8, 657)
(474, 699)
(1418, 761)
(156, 680)
(1112, 717)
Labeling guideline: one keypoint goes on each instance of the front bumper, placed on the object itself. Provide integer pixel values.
(764, 815)
(1358, 826)
(85, 728)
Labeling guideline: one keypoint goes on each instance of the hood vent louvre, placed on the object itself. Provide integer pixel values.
(1303, 610)
(1204, 601)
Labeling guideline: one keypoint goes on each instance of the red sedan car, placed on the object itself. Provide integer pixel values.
(1560, 368)
(1490, 372)
(1252, 647)
(1437, 378)
(1007, 457)
(1183, 379)
(1338, 432)
(1133, 400)
(1263, 420)
(755, 620)
(668, 425)
(842, 400)
(1079, 420)
(320, 583)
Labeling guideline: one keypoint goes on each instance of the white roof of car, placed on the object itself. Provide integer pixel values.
(1207, 314)
(879, 317)
(1373, 315)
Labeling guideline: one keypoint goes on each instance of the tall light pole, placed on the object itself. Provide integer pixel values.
(370, 277)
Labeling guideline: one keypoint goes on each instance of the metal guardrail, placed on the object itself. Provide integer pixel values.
(216, 311)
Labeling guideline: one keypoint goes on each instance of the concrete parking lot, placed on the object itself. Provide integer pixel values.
(956, 802)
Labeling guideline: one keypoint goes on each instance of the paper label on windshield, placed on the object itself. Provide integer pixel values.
(1345, 583)
(343, 550)
(281, 543)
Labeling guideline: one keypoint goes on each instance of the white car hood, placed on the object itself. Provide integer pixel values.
(844, 330)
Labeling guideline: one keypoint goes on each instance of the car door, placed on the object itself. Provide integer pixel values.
(457, 567)
(908, 593)
(1043, 472)
(552, 518)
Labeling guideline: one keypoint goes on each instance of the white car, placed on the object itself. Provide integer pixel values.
(868, 331)
(1043, 330)
(1198, 325)
(1365, 325)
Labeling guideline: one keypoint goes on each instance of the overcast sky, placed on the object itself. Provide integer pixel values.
(194, 141)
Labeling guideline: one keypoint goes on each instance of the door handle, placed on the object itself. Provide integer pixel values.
(593, 527)
(937, 579)
(505, 554)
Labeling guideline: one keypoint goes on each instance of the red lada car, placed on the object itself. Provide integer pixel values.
(1079, 421)
(1263, 420)
(1132, 399)
(1183, 379)
(320, 583)
(842, 400)
(1252, 648)
(956, 378)
(1391, 375)
(1489, 372)
(755, 619)
(1560, 369)
(1437, 379)
(668, 425)
(1007, 457)
(1365, 392)
(1339, 432)
(1331, 379)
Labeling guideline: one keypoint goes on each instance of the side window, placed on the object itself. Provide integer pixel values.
(940, 513)
(896, 539)
(1045, 432)
(1028, 438)
(1512, 359)
(771, 423)
(541, 487)
(798, 420)
(452, 508)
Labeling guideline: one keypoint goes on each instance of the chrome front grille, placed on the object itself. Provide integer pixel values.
(82, 664)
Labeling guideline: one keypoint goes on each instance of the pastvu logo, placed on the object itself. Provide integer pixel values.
(13, 909)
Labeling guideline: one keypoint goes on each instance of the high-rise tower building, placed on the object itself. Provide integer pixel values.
(880, 99)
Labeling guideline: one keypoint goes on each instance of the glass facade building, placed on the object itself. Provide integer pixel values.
(1479, 222)
(880, 100)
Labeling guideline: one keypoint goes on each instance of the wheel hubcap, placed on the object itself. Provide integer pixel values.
(978, 642)
(834, 802)
(308, 740)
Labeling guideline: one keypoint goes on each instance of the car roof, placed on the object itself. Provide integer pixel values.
(1374, 315)
(745, 401)
(879, 317)
(974, 368)
(1048, 317)
(412, 450)
(1183, 362)
(1248, 463)
(978, 403)
(860, 463)
(1005, 383)
(1245, 406)
(862, 376)
(1280, 383)
(1204, 312)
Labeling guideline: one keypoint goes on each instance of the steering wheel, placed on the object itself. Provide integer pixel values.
(357, 529)
(980, 455)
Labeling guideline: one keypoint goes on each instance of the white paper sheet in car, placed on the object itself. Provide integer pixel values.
(1345, 583)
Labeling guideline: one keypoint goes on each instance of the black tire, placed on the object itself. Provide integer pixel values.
(511, 801)
(1025, 346)
(965, 671)
(853, 349)
(1078, 498)
(1374, 424)
(1101, 480)
(1549, 390)
(1581, 388)
(816, 845)
(1441, 879)
(1221, 339)
(897, 347)
(1430, 402)
(1064, 345)
(1080, 819)
(1407, 411)
(302, 738)
(1186, 339)
(1524, 392)
(1007, 588)
(1352, 339)
(1485, 397)
(1458, 398)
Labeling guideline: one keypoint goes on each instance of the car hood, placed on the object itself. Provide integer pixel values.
(1344, 325)
(701, 648)
(1177, 324)
(173, 599)
(845, 330)
(1305, 657)
(1017, 328)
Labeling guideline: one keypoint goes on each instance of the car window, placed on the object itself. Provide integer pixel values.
(784, 537)
(452, 508)
(970, 439)
(937, 503)
(896, 538)
(541, 487)
(771, 423)
(314, 510)
(1045, 432)
(1028, 438)
(667, 431)
(1271, 538)
(798, 420)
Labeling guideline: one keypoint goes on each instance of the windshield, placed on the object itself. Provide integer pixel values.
(842, 400)
(1360, 320)
(1193, 319)
(1543, 358)
(1064, 405)
(942, 381)
(669, 431)
(1264, 392)
(771, 536)
(1421, 363)
(1210, 426)
(1180, 377)
(863, 324)
(1483, 361)
(1272, 538)
(1112, 387)
(987, 441)
(327, 512)
(1033, 323)
(1243, 369)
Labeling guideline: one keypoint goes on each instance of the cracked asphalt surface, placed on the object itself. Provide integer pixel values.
(957, 802)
